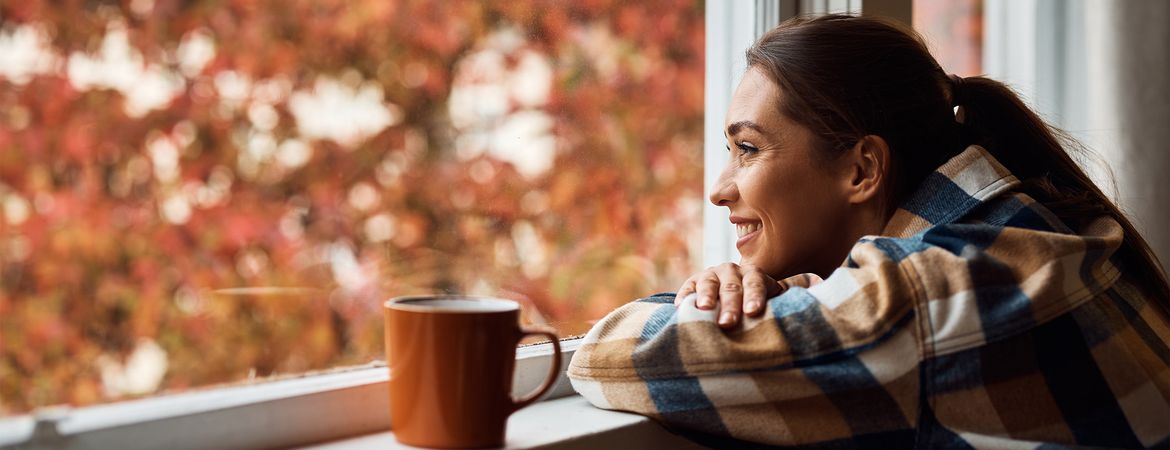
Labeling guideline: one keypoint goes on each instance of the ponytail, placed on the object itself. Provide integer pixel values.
(996, 119)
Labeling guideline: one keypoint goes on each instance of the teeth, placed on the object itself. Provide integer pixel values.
(744, 229)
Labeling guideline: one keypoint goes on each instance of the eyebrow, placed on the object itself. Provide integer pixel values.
(734, 128)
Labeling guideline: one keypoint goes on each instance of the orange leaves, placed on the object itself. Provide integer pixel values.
(222, 187)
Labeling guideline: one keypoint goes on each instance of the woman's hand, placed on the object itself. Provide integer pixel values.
(735, 290)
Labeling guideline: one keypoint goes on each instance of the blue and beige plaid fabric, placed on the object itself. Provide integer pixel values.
(976, 320)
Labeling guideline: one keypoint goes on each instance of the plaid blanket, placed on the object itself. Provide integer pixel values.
(977, 319)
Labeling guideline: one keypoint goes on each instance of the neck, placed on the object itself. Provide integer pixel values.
(868, 220)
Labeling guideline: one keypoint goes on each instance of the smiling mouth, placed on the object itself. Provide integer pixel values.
(744, 229)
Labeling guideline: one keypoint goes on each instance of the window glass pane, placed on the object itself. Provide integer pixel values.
(198, 193)
(954, 32)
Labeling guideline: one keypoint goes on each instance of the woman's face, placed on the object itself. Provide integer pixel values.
(788, 206)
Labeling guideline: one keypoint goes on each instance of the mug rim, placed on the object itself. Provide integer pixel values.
(403, 303)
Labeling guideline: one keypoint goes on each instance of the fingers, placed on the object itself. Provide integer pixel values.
(730, 303)
(758, 287)
(707, 286)
(710, 286)
(688, 288)
(731, 290)
(754, 292)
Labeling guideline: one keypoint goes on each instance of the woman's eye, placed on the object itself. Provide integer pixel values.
(746, 147)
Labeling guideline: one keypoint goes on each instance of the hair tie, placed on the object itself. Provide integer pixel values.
(958, 90)
(958, 97)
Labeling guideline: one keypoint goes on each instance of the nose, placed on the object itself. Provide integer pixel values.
(724, 192)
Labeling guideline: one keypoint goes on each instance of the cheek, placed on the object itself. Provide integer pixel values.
(797, 220)
(800, 217)
(794, 200)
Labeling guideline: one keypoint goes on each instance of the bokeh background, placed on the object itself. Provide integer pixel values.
(166, 164)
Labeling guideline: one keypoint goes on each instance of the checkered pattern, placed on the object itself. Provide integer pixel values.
(976, 320)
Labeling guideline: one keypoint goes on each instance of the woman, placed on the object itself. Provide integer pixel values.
(978, 290)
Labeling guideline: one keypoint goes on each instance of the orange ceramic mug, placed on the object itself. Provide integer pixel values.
(451, 359)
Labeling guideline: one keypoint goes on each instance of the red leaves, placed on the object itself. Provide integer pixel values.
(131, 250)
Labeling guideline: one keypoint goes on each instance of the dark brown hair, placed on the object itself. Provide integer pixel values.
(845, 77)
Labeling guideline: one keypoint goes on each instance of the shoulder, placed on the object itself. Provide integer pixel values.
(1008, 266)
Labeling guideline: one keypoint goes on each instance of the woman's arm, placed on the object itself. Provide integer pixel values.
(832, 361)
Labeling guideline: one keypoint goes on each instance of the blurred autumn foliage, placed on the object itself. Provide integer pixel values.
(155, 153)
(953, 30)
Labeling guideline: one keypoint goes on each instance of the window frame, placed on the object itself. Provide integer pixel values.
(316, 408)
(282, 413)
(726, 40)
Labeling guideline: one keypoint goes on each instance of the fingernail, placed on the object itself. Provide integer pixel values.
(751, 307)
(726, 318)
(706, 301)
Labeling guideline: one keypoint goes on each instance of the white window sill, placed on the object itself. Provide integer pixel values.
(346, 409)
(564, 423)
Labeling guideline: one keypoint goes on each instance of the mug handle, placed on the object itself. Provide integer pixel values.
(552, 370)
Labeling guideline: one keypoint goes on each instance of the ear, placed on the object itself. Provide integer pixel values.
(867, 165)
